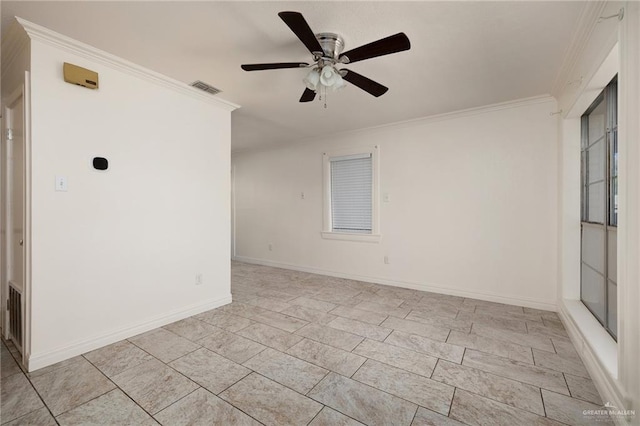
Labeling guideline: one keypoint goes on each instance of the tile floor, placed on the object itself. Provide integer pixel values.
(302, 349)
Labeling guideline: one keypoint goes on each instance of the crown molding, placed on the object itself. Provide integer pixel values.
(14, 41)
(485, 109)
(52, 38)
(587, 23)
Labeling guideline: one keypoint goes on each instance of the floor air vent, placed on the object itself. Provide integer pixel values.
(205, 87)
(15, 316)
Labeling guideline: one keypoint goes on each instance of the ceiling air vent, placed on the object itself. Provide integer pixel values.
(205, 87)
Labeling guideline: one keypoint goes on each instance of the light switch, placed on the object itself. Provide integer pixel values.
(61, 183)
(385, 197)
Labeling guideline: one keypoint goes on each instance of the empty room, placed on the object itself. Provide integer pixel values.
(320, 213)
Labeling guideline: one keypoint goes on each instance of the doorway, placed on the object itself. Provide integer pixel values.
(13, 223)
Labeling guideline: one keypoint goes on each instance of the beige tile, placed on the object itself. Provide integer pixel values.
(56, 366)
(191, 328)
(501, 389)
(270, 336)
(399, 293)
(163, 344)
(583, 389)
(374, 318)
(425, 345)
(224, 320)
(523, 339)
(538, 329)
(310, 315)
(338, 296)
(571, 411)
(419, 328)
(330, 336)
(66, 388)
(112, 408)
(492, 312)
(497, 307)
(278, 295)
(270, 402)
(537, 376)
(17, 397)
(241, 309)
(40, 417)
(501, 323)
(389, 302)
(492, 346)
(292, 372)
(153, 385)
(559, 363)
(8, 365)
(398, 357)
(418, 389)
(278, 320)
(210, 370)
(267, 303)
(553, 323)
(330, 417)
(476, 410)
(565, 349)
(361, 402)
(383, 309)
(203, 408)
(318, 305)
(426, 417)
(428, 296)
(334, 359)
(116, 358)
(232, 346)
(433, 307)
(437, 321)
(359, 328)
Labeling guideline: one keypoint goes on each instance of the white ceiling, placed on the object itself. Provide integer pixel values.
(463, 54)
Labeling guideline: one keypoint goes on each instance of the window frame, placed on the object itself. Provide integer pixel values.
(327, 227)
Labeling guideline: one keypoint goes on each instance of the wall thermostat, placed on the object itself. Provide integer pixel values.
(100, 163)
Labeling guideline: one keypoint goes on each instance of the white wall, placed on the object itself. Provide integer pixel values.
(472, 205)
(118, 253)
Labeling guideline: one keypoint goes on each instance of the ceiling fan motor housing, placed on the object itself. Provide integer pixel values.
(332, 44)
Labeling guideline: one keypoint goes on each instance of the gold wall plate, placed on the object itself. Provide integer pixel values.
(81, 76)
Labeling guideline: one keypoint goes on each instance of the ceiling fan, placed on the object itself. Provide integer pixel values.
(326, 49)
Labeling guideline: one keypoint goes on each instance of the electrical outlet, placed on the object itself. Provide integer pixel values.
(270, 247)
(198, 279)
(386, 260)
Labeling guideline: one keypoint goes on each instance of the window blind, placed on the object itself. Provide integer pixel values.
(351, 193)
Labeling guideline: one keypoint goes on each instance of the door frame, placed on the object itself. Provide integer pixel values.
(22, 91)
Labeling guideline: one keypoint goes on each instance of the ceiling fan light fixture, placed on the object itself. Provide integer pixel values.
(339, 83)
(328, 76)
(312, 79)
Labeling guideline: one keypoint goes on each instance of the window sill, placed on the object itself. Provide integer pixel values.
(367, 238)
(601, 344)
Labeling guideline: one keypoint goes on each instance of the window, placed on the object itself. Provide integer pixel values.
(599, 204)
(350, 195)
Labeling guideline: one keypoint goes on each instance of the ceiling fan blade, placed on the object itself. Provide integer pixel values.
(299, 26)
(392, 44)
(273, 66)
(308, 95)
(366, 84)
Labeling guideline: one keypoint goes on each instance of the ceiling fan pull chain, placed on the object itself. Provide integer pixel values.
(325, 96)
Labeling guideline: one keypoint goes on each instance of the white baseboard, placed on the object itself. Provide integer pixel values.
(549, 305)
(597, 350)
(37, 361)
